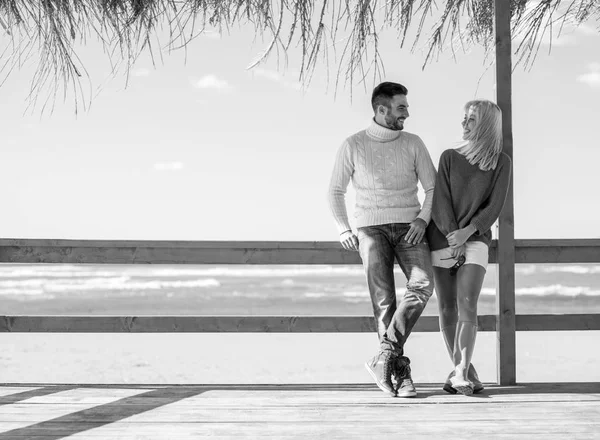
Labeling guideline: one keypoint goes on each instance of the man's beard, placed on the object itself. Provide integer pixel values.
(394, 123)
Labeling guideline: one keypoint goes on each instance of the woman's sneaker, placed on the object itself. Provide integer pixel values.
(448, 385)
(463, 386)
(473, 378)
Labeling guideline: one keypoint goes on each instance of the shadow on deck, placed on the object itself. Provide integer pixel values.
(307, 411)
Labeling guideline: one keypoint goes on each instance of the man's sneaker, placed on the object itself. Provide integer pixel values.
(381, 368)
(404, 384)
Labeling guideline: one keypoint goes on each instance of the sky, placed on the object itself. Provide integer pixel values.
(197, 147)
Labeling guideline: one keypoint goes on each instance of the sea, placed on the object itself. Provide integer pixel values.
(40, 289)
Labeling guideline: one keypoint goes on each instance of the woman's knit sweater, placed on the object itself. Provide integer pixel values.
(465, 195)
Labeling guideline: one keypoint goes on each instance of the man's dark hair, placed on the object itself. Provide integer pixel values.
(384, 92)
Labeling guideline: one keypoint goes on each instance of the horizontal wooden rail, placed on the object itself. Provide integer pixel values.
(266, 324)
(251, 252)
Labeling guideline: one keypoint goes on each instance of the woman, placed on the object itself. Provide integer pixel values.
(471, 187)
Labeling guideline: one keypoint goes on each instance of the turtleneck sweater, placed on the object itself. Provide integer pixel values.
(385, 167)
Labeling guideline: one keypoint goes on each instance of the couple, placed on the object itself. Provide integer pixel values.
(446, 239)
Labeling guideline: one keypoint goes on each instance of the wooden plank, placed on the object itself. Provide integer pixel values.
(282, 392)
(317, 428)
(580, 243)
(267, 324)
(505, 253)
(190, 244)
(259, 252)
(558, 322)
(177, 255)
(571, 424)
(12, 391)
(290, 411)
(557, 251)
(209, 324)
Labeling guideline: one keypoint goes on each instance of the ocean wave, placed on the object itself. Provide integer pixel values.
(580, 270)
(357, 294)
(554, 289)
(314, 294)
(549, 290)
(21, 292)
(254, 295)
(73, 271)
(525, 269)
(558, 289)
(275, 272)
(36, 273)
(91, 284)
(261, 271)
(25, 294)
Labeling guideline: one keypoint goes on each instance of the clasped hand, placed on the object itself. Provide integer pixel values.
(457, 238)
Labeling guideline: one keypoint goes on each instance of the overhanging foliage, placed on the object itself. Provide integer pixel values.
(48, 31)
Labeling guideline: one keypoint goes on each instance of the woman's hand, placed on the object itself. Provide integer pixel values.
(460, 236)
(457, 252)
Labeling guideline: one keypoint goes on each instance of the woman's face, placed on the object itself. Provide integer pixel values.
(469, 122)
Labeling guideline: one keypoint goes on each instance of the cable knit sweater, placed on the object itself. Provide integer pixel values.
(465, 195)
(384, 166)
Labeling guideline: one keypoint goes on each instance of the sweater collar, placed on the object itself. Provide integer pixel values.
(382, 134)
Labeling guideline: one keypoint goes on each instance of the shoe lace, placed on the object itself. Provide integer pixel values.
(388, 364)
(407, 382)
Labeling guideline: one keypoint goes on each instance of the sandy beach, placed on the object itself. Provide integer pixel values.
(275, 358)
(267, 358)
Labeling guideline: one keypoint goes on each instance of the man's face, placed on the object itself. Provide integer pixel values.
(469, 122)
(395, 115)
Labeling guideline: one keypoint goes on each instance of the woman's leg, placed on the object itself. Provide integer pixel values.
(469, 281)
(445, 287)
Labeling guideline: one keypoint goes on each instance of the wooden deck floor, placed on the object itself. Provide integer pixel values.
(532, 411)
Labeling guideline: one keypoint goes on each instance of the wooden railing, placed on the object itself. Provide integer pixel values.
(221, 252)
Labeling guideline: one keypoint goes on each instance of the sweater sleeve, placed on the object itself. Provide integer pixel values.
(490, 210)
(443, 212)
(343, 170)
(426, 175)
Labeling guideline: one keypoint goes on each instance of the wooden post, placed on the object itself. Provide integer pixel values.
(505, 299)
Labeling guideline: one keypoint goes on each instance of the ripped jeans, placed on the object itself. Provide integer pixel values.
(379, 246)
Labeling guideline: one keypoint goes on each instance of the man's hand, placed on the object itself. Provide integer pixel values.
(457, 238)
(349, 241)
(416, 232)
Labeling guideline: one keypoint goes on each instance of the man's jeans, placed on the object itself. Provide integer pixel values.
(378, 246)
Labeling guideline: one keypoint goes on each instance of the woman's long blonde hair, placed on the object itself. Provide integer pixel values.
(483, 145)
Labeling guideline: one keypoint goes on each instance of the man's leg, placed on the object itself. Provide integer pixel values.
(377, 254)
(415, 261)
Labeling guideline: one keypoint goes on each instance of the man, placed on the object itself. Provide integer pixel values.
(385, 164)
